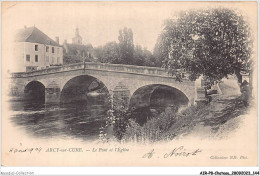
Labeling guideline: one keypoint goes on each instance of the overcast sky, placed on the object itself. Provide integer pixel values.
(98, 22)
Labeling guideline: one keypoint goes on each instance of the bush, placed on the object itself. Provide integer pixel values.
(164, 127)
(120, 125)
(151, 131)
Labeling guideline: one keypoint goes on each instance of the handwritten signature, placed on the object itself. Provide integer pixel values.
(176, 152)
(25, 150)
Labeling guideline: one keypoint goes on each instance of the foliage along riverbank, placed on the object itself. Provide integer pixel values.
(168, 126)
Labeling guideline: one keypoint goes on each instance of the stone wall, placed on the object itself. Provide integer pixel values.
(133, 77)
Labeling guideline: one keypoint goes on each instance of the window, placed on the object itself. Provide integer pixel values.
(47, 58)
(36, 47)
(58, 60)
(36, 58)
(28, 57)
(52, 49)
(47, 49)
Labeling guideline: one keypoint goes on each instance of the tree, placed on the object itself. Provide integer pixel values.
(138, 56)
(150, 60)
(126, 46)
(109, 53)
(212, 42)
(143, 57)
(71, 59)
(158, 53)
(125, 52)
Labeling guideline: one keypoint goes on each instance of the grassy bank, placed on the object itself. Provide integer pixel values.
(168, 126)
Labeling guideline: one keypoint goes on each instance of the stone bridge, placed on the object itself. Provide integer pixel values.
(57, 84)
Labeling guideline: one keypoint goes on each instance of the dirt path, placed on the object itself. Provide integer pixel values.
(222, 116)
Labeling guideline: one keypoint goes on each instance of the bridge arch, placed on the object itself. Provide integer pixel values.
(82, 88)
(150, 100)
(157, 95)
(147, 95)
(34, 90)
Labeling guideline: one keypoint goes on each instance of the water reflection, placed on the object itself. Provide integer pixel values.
(82, 117)
(79, 120)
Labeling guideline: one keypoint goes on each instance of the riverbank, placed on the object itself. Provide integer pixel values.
(222, 116)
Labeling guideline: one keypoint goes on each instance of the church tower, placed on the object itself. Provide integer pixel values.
(77, 39)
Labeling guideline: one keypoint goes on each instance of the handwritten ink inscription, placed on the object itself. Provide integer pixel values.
(176, 152)
(67, 150)
(25, 150)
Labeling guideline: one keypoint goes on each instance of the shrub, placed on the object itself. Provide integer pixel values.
(165, 126)
(151, 131)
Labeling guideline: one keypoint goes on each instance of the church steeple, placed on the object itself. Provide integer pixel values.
(77, 39)
(77, 32)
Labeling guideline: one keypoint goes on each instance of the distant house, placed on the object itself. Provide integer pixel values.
(34, 50)
(76, 51)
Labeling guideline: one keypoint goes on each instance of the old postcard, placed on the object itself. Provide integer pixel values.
(129, 84)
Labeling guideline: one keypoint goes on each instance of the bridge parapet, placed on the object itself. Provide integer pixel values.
(48, 70)
(133, 77)
(95, 66)
(126, 68)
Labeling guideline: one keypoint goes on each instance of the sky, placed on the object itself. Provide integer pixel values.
(98, 22)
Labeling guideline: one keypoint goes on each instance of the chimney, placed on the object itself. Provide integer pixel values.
(57, 40)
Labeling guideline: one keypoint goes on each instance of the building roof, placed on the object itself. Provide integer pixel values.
(34, 35)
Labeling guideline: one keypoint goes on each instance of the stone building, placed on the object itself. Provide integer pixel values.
(34, 50)
(76, 51)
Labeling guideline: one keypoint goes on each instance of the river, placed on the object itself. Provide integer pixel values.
(74, 120)
(81, 119)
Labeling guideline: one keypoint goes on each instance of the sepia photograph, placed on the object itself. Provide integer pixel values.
(129, 84)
